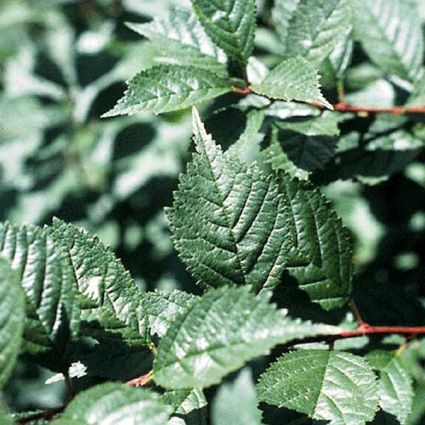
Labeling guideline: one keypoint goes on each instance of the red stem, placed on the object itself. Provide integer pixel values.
(367, 329)
(345, 107)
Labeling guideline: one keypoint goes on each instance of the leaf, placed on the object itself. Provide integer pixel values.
(111, 303)
(230, 24)
(309, 142)
(117, 404)
(293, 79)
(49, 284)
(181, 39)
(233, 225)
(236, 403)
(185, 401)
(321, 257)
(391, 34)
(169, 88)
(117, 361)
(418, 95)
(313, 28)
(12, 316)
(224, 209)
(221, 331)
(325, 385)
(162, 308)
(5, 418)
(282, 13)
(395, 385)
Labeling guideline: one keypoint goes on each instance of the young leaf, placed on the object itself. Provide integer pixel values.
(325, 385)
(221, 331)
(391, 34)
(233, 225)
(236, 403)
(313, 28)
(181, 39)
(169, 88)
(12, 316)
(118, 405)
(294, 79)
(230, 24)
(49, 284)
(108, 295)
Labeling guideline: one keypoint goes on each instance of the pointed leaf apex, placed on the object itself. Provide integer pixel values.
(202, 139)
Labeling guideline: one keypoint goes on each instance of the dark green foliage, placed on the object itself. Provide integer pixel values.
(271, 271)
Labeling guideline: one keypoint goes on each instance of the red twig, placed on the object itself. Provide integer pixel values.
(141, 381)
(356, 313)
(367, 329)
(245, 90)
(345, 107)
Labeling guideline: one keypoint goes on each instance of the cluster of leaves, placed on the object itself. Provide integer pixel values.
(275, 264)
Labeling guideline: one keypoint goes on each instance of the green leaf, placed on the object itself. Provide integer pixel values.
(111, 303)
(277, 160)
(185, 401)
(5, 418)
(395, 385)
(312, 28)
(309, 142)
(115, 360)
(161, 308)
(321, 256)
(117, 404)
(294, 79)
(324, 125)
(391, 34)
(221, 331)
(181, 39)
(230, 24)
(169, 88)
(233, 225)
(236, 403)
(49, 284)
(12, 316)
(282, 13)
(418, 95)
(325, 385)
